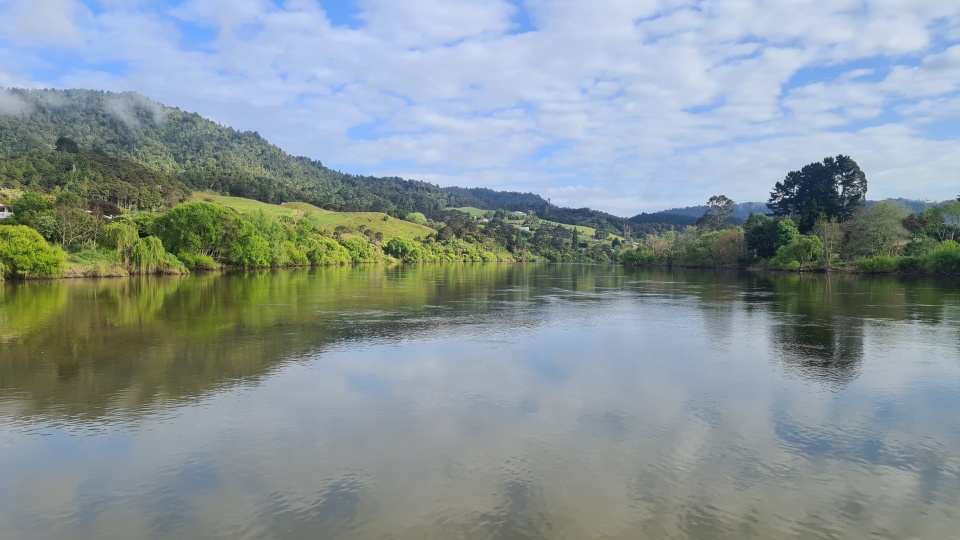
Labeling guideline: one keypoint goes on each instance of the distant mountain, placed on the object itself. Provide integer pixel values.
(665, 218)
(740, 210)
(205, 155)
(688, 215)
(912, 205)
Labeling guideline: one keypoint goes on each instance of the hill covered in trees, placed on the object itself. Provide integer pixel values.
(204, 155)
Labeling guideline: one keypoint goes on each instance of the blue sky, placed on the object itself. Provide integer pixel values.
(619, 105)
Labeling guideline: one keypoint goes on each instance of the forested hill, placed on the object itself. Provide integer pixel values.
(688, 215)
(205, 155)
(740, 210)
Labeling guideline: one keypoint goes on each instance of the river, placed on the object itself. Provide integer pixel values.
(480, 401)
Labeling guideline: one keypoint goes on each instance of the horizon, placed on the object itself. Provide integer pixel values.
(619, 108)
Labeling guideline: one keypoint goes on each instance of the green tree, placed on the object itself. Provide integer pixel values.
(830, 234)
(325, 251)
(360, 250)
(72, 227)
(764, 236)
(943, 221)
(147, 256)
(944, 259)
(640, 256)
(28, 206)
(24, 253)
(833, 188)
(718, 214)
(404, 249)
(120, 237)
(416, 217)
(247, 247)
(802, 250)
(66, 144)
(199, 228)
(877, 230)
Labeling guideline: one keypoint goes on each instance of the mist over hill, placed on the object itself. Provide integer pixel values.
(205, 155)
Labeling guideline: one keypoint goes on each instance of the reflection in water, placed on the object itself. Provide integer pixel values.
(479, 401)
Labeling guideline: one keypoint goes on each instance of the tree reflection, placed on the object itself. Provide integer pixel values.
(813, 332)
(88, 347)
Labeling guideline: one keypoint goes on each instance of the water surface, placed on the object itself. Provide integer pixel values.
(480, 401)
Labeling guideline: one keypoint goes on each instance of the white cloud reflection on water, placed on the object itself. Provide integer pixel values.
(645, 412)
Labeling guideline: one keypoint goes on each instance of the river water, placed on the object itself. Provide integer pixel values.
(480, 401)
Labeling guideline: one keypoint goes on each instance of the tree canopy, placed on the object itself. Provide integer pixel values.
(832, 188)
(718, 214)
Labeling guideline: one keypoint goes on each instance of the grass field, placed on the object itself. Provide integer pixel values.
(479, 212)
(475, 212)
(244, 206)
(389, 226)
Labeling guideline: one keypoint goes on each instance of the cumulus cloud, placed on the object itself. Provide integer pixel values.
(44, 22)
(628, 105)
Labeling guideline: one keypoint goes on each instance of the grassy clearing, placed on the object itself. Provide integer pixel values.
(479, 212)
(475, 212)
(244, 206)
(94, 263)
(389, 226)
(305, 207)
(378, 222)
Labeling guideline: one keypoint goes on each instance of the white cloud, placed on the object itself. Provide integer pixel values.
(644, 104)
(44, 22)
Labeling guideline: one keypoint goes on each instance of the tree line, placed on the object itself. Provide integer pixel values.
(53, 231)
(818, 220)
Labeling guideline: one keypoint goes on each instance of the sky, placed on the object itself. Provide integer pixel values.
(618, 105)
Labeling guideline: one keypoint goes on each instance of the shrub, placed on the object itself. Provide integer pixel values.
(944, 259)
(910, 265)
(119, 237)
(637, 257)
(197, 261)
(325, 251)
(801, 250)
(919, 247)
(24, 253)
(295, 255)
(416, 217)
(405, 250)
(360, 250)
(148, 257)
(881, 264)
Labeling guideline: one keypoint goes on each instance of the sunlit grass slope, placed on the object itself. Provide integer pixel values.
(377, 221)
(479, 212)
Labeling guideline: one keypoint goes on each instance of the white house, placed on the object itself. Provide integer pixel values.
(5, 211)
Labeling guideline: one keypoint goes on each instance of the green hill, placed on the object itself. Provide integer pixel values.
(94, 176)
(388, 226)
(205, 155)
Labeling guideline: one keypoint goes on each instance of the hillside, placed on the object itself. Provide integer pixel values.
(94, 176)
(207, 156)
(387, 226)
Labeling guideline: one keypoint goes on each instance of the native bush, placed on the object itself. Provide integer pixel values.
(944, 259)
(24, 253)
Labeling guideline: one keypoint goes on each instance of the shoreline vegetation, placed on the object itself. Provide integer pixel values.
(52, 235)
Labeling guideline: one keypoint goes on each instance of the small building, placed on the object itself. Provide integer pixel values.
(5, 211)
